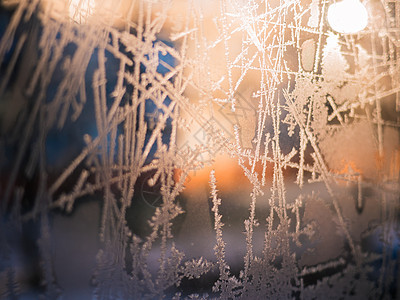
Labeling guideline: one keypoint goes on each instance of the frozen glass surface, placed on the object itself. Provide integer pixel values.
(191, 149)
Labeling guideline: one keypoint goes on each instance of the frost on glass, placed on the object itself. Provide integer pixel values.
(198, 149)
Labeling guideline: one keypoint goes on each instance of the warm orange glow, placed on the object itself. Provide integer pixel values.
(228, 173)
(349, 168)
(387, 165)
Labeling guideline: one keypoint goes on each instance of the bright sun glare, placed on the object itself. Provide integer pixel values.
(348, 16)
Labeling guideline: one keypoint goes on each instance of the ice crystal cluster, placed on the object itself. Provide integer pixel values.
(187, 149)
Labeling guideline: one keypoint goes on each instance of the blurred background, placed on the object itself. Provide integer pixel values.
(113, 116)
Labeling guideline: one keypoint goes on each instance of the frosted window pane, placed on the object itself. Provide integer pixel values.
(199, 149)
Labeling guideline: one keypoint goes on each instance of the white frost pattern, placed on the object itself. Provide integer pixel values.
(129, 103)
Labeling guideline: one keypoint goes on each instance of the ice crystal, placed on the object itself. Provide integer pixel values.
(198, 149)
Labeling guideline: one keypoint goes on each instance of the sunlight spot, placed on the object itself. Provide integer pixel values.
(348, 16)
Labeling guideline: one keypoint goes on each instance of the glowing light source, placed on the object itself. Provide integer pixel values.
(348, 16)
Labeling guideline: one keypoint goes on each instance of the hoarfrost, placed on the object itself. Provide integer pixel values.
(234, 149)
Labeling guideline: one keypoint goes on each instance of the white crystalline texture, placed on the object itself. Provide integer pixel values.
(198, 149)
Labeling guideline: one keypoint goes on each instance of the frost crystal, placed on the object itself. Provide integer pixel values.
(198, 149)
